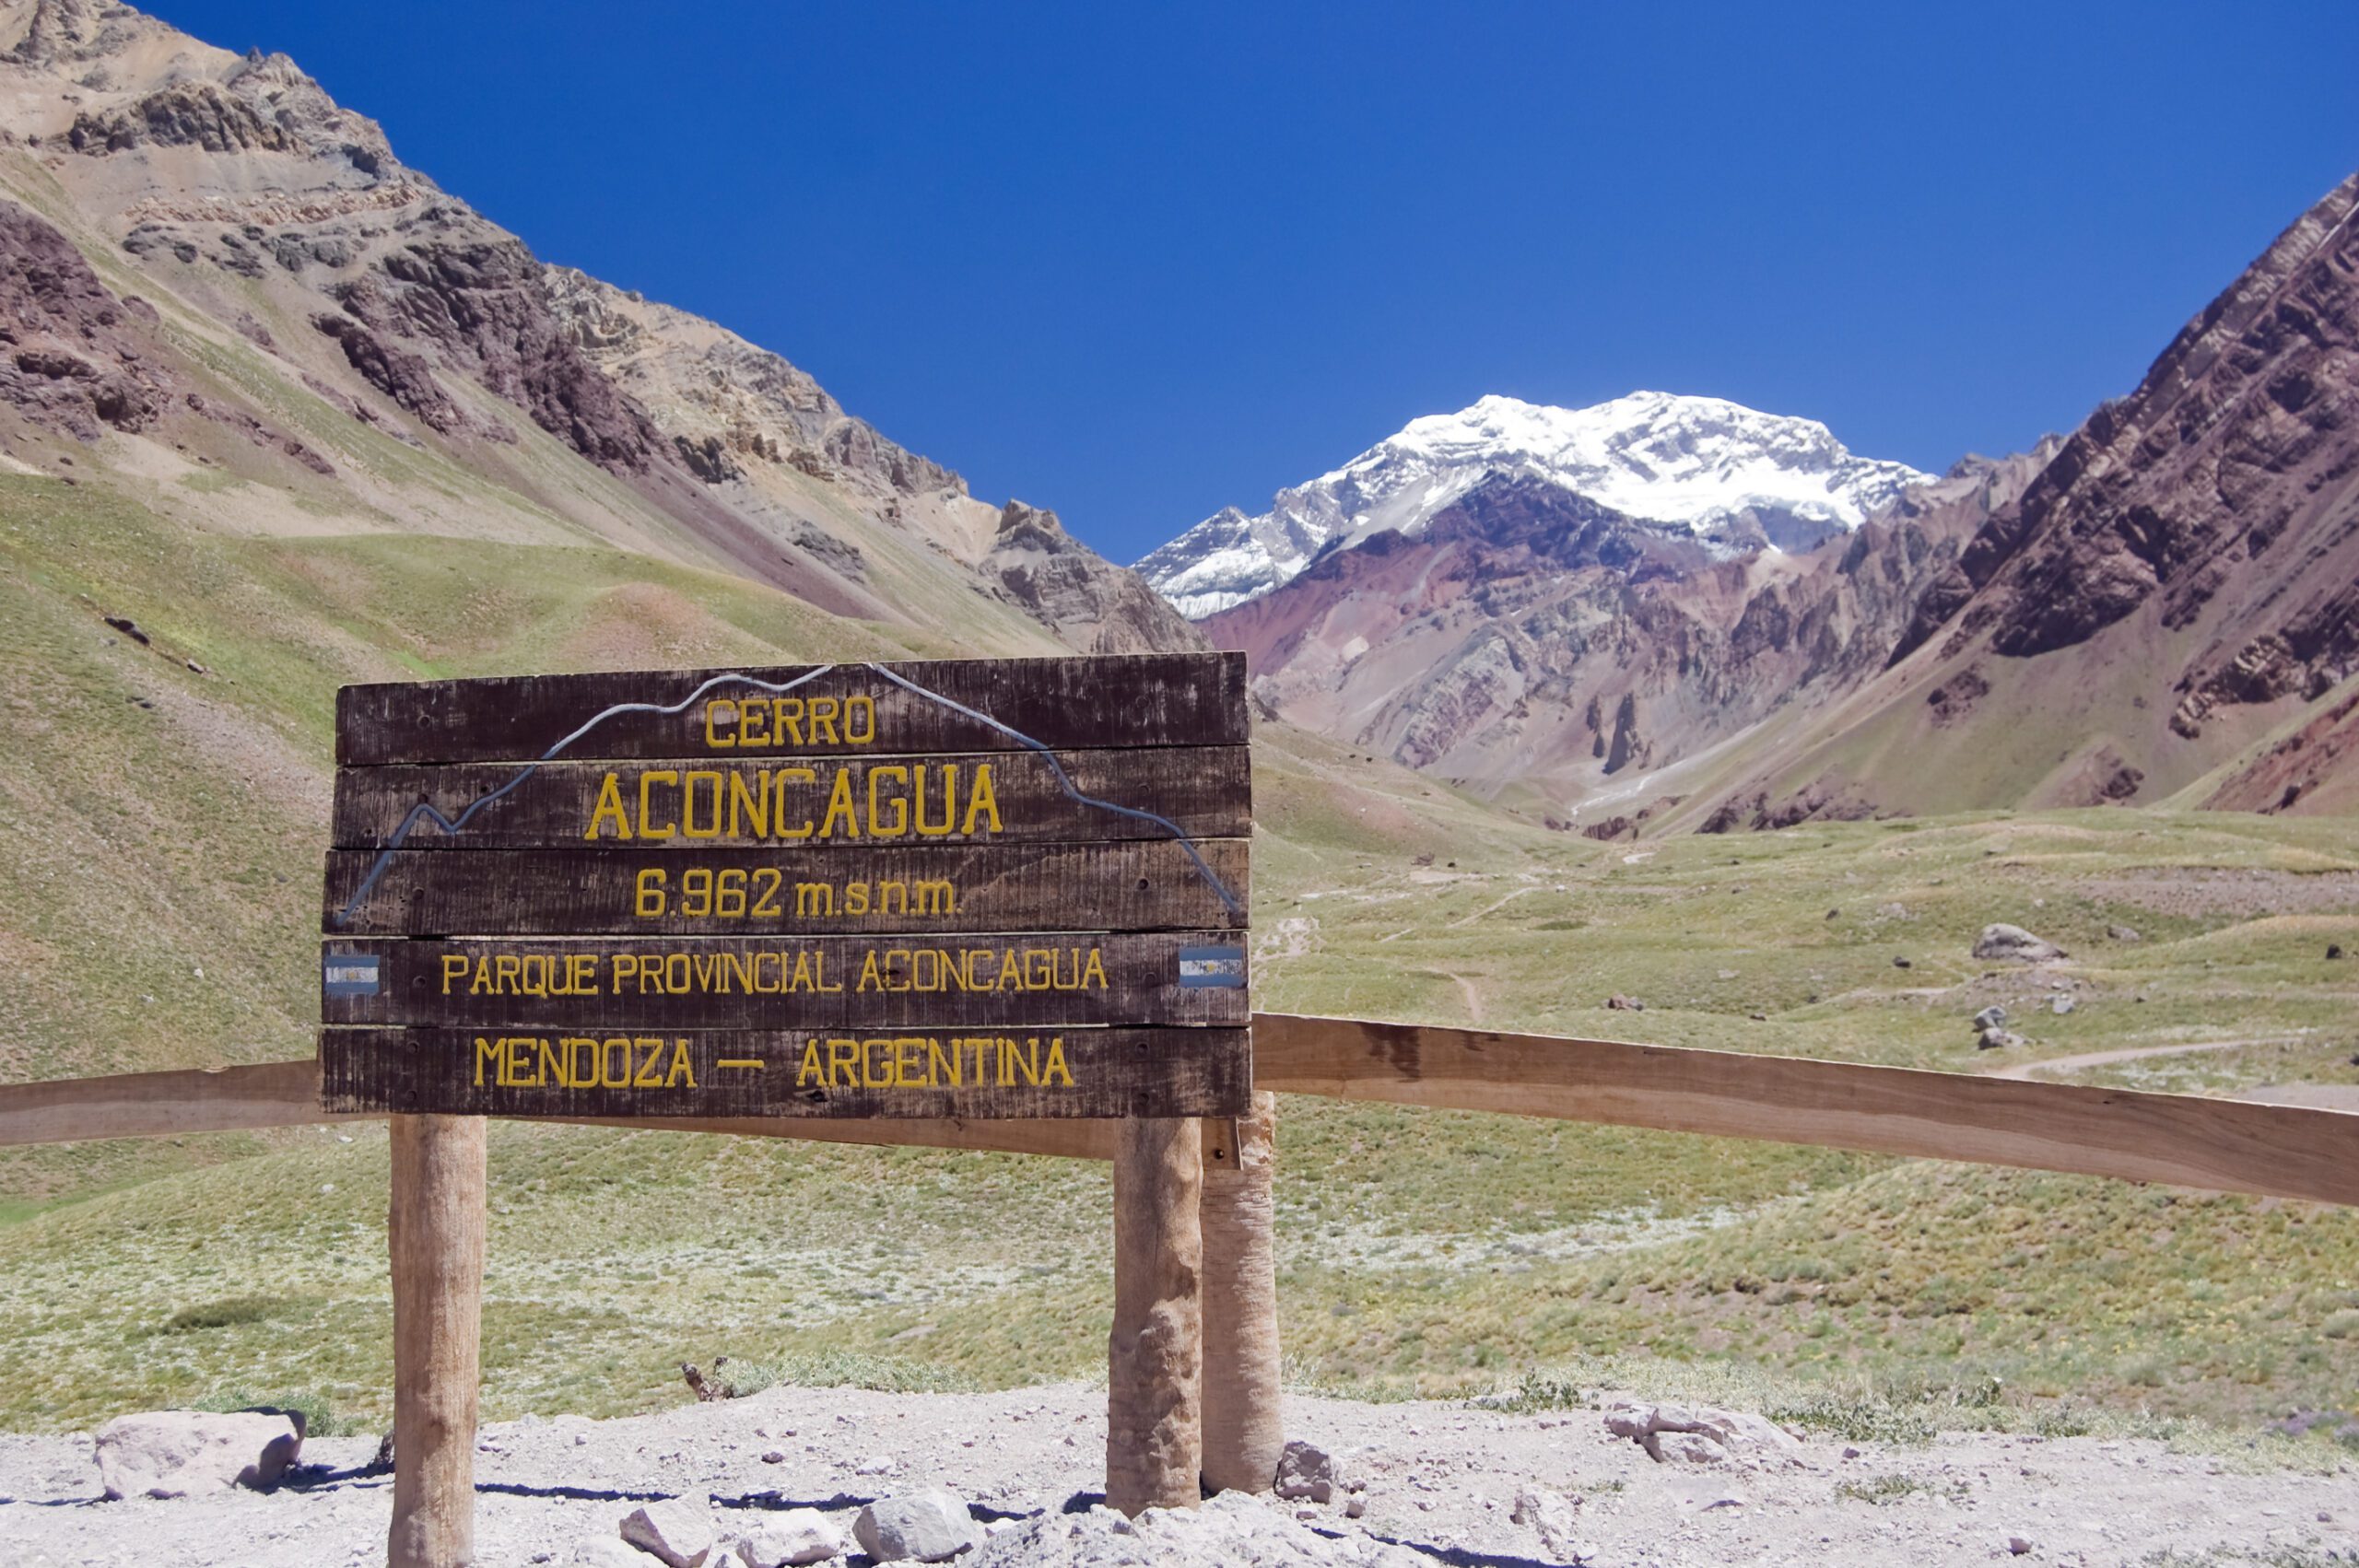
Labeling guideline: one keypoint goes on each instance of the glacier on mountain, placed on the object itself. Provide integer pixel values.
(1737, 477)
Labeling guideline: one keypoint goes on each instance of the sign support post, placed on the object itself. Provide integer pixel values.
(1244, 1428)
(434, 1227)
(1156, 1356)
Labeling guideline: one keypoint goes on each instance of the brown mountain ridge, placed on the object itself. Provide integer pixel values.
(205, 263)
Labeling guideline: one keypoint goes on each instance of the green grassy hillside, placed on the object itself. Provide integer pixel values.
(160, 829)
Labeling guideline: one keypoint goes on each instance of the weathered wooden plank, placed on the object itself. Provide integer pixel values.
(2222, 1146)
(1155, 699)
(1133, 886)
(790, 802)
(163, 1104)
(944, 1073)
(789, 982)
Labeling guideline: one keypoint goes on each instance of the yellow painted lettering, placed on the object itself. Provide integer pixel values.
(879, 826)
(794, 776)
(649, 1075)
(926, 827)
(840, 804)
(688, 804)
(610, 804)
(749, 804)
(647, 782)
(860, 720)
(982, 804)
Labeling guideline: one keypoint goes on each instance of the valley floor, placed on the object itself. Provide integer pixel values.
(1441, 1484)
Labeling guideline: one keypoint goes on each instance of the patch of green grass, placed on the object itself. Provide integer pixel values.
(321, 1417)
(223, 1314)
(1882, 1490)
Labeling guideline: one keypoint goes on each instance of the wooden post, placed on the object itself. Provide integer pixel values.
(1156, 1356)
(436, 1229)
(1244, 1431)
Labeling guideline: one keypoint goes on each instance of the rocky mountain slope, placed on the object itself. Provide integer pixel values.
(2163, 606)
(1737, 478)
(2169, 612)
(1527, 640)
(224, 292)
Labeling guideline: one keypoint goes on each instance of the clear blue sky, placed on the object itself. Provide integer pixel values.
(1135, 262)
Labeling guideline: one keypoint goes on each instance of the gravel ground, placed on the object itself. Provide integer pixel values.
(1442, 1483)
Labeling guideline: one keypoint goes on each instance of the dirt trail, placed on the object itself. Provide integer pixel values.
(2025, 1069)
(1473, 998)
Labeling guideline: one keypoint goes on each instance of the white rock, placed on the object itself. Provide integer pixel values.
(675, 1532)
(1701, 1434)
(1305, 1469)
(191, 1453)
(607, 1551)
(921, 1526)
(1232, 1531)
(1550, 1516)
(798, 1536)
(1686, 1448)
(2002, 941)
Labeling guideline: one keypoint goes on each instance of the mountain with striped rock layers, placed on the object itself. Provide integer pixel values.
(1663, 614)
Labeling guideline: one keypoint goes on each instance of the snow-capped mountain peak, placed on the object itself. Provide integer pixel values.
(1730, 473)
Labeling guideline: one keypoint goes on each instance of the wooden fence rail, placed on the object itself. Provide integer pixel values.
(2221, 1145)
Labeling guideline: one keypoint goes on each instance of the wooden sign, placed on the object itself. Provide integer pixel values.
(986, 888)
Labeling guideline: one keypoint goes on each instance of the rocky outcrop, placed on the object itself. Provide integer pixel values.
(69, 357)
(2013, 943)
(674, 1531)
(1818, 802)
(919, 1527)
(1628, 746)
(2231, 466)
(1701, 1434)
(401, 375)
(2315, 768)
(191, 1454)
(1085, 598)
(197, 114)
(731, 401)
(481, 301)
